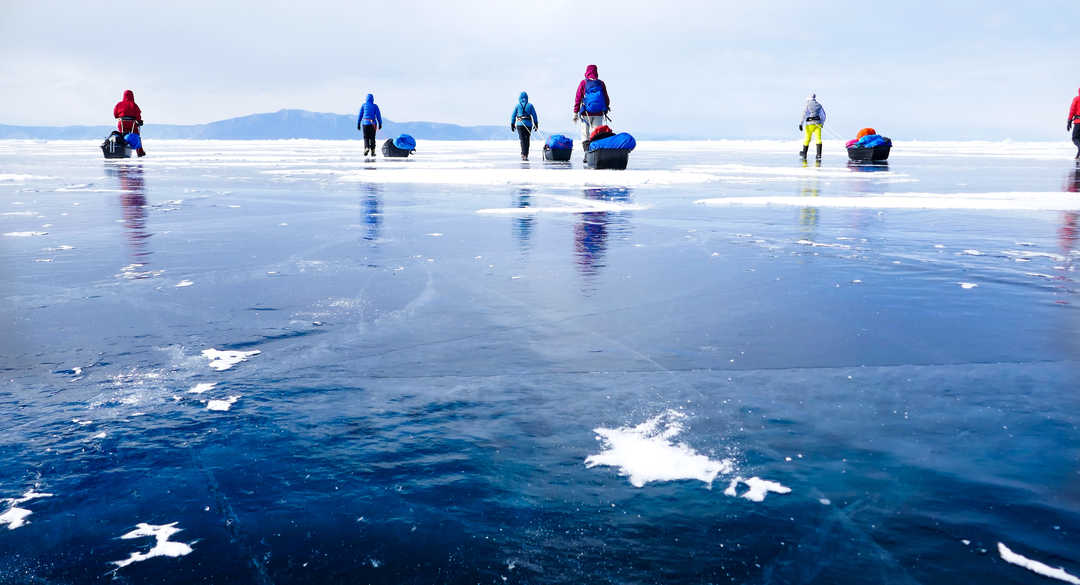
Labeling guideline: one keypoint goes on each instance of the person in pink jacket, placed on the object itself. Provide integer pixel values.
(591, 102)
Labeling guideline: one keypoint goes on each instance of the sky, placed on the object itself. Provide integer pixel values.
(913, 69)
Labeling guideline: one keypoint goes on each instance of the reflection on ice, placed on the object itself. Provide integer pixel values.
(591, 233)
(133, 203)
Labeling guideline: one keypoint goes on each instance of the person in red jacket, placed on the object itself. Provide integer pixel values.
(1074, 123)
(128, 116)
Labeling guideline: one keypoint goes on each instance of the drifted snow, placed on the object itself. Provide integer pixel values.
(15, 516)
(222, 405)
(1035, 566)
(647, 453)
(224, 359)
(163, 547)
(759, 488)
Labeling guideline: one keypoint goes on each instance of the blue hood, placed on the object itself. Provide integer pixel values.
(523, 98)
(370, 99)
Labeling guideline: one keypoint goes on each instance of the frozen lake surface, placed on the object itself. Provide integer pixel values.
(276, 362)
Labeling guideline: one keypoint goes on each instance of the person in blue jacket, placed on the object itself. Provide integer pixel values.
(524, 121)
(369, 119)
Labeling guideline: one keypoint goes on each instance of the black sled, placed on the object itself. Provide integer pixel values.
(607, 158)
(874, 154)
(557, 154)
(391, 151)
(115, 146)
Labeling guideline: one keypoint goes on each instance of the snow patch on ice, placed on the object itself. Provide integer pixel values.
(202, 387)
(222, 405)
(1035, 566)
(15, 516)
(967, 285)
(567, 205)
(132, 272)
(1002, 201)
(25, 234)
(547, 177)
(814, 244)
(19, 178)
(184, 283)
(225, 359)
(758, 488)
(163, 547)
(647, 453)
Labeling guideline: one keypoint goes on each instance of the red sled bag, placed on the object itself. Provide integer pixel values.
(601, 132)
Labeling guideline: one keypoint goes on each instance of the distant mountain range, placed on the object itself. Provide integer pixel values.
(277, 125)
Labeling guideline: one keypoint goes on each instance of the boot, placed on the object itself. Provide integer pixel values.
(819, 152)
(802, 154)
(140, 152)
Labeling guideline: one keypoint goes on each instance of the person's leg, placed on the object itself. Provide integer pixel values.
(1076, 139)
(817, 131)
(523, 137)
(130, 127)
(369, 138)
(585, 129)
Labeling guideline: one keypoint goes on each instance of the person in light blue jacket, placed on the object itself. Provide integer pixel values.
(524, 121)
(369, 119)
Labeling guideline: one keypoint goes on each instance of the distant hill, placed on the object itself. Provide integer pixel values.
(277, 125)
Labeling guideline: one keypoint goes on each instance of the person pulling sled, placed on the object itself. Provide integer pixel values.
(591, 102)
(369, 119)
(1074, 123)
(524, 121)
(813, 119)
(129, 118)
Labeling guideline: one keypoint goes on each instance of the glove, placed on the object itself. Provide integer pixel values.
(512, 129)
(800, 127)
(380, 126)
(139, 122)
(575, 117)
(1068, 127)
(537, 128)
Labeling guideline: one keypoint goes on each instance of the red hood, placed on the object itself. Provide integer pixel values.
(590, 72)
(129, 96)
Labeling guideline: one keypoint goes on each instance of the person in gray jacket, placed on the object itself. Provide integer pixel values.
(813, 119)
